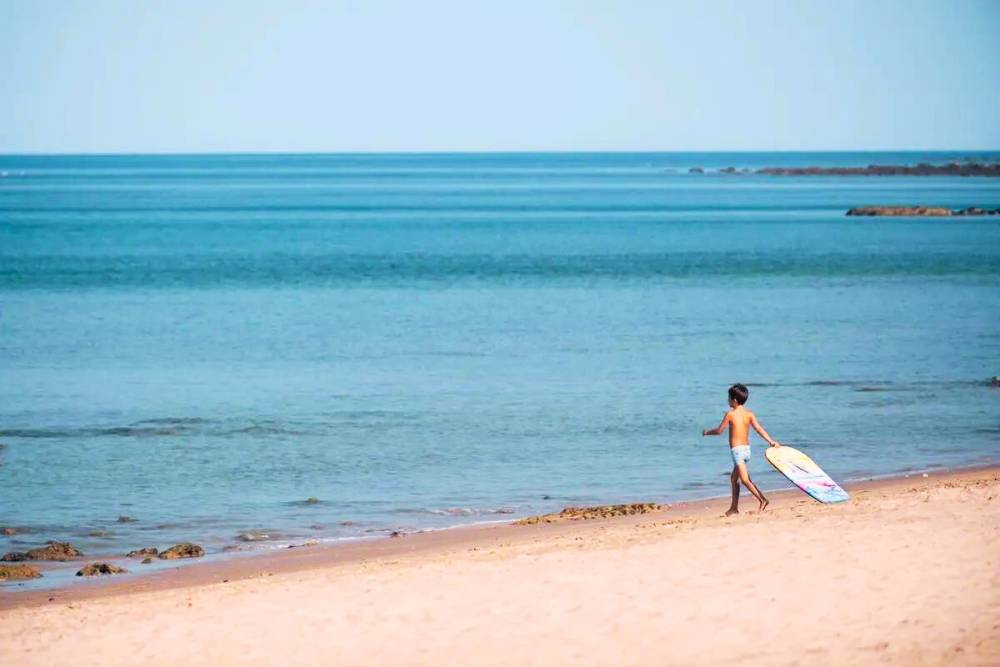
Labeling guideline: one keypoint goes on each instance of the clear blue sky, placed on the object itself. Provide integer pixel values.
(145, 76)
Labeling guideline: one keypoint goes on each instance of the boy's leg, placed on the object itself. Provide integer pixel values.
(747, 482)
(734, 478)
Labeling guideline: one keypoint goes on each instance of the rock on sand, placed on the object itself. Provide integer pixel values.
(100, 568)
(18, 572)
(61, 551)
(182, 550)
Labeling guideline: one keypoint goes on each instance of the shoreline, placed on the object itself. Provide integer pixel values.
(226, 567)
(905, 573)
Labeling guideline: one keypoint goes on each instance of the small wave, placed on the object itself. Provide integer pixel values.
(171, 421)
(264, 429)
(446, 353)
(260, 536)
(308, 502)
(458, 511)
(99, 533)
(161, 427)
(880, 385)
(119, 431)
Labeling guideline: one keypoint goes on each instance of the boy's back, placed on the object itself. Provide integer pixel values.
(740, 420)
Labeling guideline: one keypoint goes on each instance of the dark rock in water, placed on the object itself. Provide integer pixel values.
(61, 551)
(396, 533)
(990, 169)
(995, 381)
(125, 519)
(147, 561)
(142, 553)
(922, 211)
(182, 550)
(18, 572)
(728, 170)
(100, 568)
(696, 170)
(601, 511)
(312, 500)
(99, 533)
(935, 211)
(8, 531)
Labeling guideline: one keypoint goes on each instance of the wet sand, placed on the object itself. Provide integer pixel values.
(907, 573)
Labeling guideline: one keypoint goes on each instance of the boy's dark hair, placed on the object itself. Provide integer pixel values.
(739, 393)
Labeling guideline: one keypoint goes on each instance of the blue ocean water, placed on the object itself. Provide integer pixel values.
(202, 343)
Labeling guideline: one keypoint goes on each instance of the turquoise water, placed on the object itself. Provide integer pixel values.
(419, 341)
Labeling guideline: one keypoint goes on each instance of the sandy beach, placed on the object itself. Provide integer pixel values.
(906, 573)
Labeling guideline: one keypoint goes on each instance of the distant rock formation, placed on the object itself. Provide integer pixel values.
(61, 551)
(182, 550)
(925, 211)
(600, 511)
(989, 169)
(100, 568)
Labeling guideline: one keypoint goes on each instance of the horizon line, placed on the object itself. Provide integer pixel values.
(485, 152)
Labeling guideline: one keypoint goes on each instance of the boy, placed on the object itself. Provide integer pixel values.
(739, 420)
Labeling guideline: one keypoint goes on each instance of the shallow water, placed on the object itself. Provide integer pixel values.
(204, 342)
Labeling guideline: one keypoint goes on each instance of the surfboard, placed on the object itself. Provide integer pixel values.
(803, 472)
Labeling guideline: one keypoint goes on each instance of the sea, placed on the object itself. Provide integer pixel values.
(255, 351)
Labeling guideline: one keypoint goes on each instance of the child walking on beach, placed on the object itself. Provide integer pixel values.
(739, 420)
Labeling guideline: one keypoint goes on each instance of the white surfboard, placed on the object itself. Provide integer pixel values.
(803, 472)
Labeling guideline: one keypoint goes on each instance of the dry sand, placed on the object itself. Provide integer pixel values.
(907, 573)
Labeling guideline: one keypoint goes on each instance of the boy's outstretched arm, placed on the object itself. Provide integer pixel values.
(720, 428)
(760, 429)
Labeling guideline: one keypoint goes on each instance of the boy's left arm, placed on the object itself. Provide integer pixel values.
(760, 429)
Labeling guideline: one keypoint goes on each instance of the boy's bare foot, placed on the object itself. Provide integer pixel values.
(763, 504)
(731, 511)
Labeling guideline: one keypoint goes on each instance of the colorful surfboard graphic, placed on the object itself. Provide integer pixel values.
(803, 472)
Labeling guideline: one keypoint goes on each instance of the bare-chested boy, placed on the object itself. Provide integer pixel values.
(739, 420)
